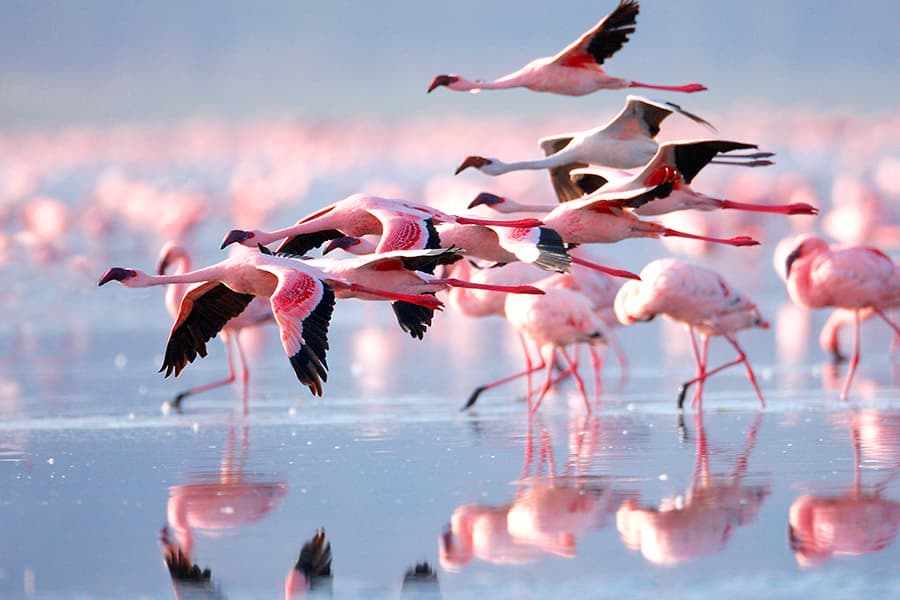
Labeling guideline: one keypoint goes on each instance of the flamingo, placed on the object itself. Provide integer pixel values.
(702, 300)
(560, 318)
(857, 278)
(685, 159)
(301, 296)
(403, 226)
(578, 69)
(604, 218)
(404, 271)
(258, 312)
(625, 142)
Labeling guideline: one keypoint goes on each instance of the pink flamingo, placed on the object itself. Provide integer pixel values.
(406, 272)
(857, 278)
(685, 159)
(258, 312)
(301, 296)
(403, 226)
(625, 142)
(560, 318)
(605, 218)
(702, 300)
(578, 69)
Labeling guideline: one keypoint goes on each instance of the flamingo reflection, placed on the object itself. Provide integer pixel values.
(700, 522)
(861, 519)
(547, 513)
(236, 498)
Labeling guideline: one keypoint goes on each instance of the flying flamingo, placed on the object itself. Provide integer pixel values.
(685, 159)
(857, 278)
(403, 226)
(699, 298)
(405, 272)
(605, 218)
(625, 142)
(578, 69)
(257, 313)
(301, 296)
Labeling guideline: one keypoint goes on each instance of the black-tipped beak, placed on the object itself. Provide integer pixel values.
(235, 235)
(472, 161)
(485, 198)
(343, 243)
(116, 274)
(442, 80)
(790, 260)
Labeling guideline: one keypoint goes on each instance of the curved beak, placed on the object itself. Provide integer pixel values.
(472, 161)
(442, 80)
(235, 235)
(343, 243)
(115, 274)
(797, 252)
(487, 199)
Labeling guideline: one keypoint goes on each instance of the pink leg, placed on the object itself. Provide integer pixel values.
(750, 374)
(509, 289)
(518, 223)
(528, 371)
(528, 367)
(688, 88)
(245, 373)
(741, 240)
(704, 357)
(578, 381)
(426, 300)
(176, 402)
(547, 380)
(740, 359)
(602, 269)
(795, 208)
(597, 366)
(887, 320)
(854, 360)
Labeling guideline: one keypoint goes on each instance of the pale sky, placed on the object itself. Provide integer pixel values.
(111, 61)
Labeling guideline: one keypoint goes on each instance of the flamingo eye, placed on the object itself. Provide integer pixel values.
(251, 235)
(133, 273)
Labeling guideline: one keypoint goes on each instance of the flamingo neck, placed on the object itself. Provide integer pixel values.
(468, 85)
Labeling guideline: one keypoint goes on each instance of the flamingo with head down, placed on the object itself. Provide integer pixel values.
(578, 69)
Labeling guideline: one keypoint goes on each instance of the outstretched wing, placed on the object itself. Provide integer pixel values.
(603, 40)
(691, 157)
(404, 231)
(303, 306)
(559, 176)
(204, 310)
(627, 199)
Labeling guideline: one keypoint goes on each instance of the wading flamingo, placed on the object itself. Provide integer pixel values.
(703, 301)
(578, 69)
(857, 278)
(312, 571)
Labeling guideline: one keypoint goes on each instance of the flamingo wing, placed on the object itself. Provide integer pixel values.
(204, 310)
(626, 199)
(691, 157)
(603, 40)
(405, 231)
(303, 306)
(559, 176)
(299, 245)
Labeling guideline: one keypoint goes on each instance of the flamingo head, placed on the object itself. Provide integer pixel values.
(442, 80)
(240, 236)
(473, 161)
(804, 246)
(488, 199)
(344, 243)
(123, 276)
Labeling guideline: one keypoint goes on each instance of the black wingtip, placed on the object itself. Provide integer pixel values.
(413, 319)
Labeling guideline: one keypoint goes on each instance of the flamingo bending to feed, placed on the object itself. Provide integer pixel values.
(626, 142)
(312, 571)
(606, 218)
(560, 318)
(258, 312)
(301, 297)
(702, 300)
(578, 69)
(403, 226)
(857, 278)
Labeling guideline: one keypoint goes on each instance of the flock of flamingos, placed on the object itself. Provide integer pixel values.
(531, 268)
